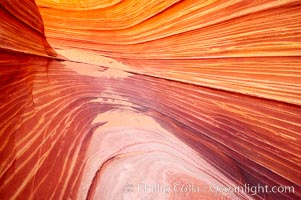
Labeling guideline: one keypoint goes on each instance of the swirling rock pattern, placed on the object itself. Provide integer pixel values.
(149, 96)
(239, 46)
(22, 28)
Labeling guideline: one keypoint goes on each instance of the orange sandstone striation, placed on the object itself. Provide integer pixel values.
(22, 28)
(158, 99)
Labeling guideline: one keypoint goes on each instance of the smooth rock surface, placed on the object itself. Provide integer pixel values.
(158, 99)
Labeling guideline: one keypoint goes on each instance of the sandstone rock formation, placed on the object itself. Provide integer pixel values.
(158, 99)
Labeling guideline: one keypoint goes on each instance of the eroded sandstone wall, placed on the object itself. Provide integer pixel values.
(170, 93)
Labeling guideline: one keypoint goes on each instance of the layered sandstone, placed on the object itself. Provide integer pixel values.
(164, 93)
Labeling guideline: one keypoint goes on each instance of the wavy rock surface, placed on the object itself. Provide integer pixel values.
(239, 46)
(149, 99)
(22, 28)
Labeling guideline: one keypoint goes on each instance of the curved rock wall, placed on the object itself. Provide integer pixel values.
(149, 99)
(22, 28)
(238, 46)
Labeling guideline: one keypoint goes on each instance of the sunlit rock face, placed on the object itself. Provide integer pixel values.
(150, 99)
(239, 46)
